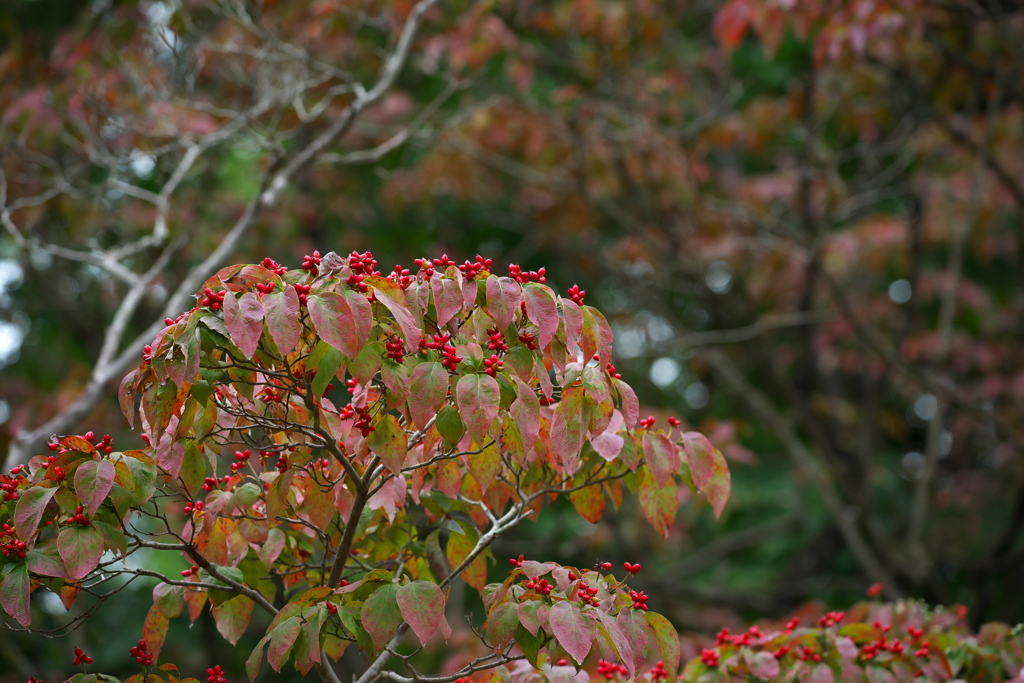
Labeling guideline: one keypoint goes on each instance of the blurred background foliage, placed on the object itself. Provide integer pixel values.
(802, 219)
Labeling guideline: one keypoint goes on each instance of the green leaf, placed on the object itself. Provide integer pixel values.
(81, 548)
(307, 645)
(381, 616)
(478, 397)
(29, 511)
(326, 370)
(113, 538)
(574, 630)
(428, 390)
(44, 560)
(422, 607)
(232, 617)
(450, 425)
(281, 640)
(389, 442)
(93, 480)
(668, 641)
(501, 626)
(530, 644)
(255, 660)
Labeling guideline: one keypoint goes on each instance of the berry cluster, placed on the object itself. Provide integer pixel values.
(10, 546)
(216, 674)
(402, 276)
(141, 656)
(449, 359)
(191, 507)
(831, 619)
(332, 608)
(709, 657)
(175, 321)
(81, 657)
(395, 349)
(362, 415)
(647, 423)
(492, 365)
(496, 340)
(213, 300)
(807, 654)
(588, 594)
(362, 263)
(58, 472)
(673, 421)
(147, 354)
(194, 569)
(79, 518)
(542, 586)
(9, 484)
(523, 276)
(273, 266)
(211, 483)
(311, 263)
(609, 669)
(473, 268)
(268, 395)
(265, 287)
(241, 459)
(577, 295)
(658, 673)
(529, 340)
(303, 293)
(639, 600)
(516, 562)
(631, 568)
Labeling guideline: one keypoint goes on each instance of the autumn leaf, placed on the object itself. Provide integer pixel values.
(574, 630)
(422, 606)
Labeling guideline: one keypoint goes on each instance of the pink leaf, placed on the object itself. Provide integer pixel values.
(390, 497)
(630, 403)
(572, 319)
(281, 640)
(422, 607)
(568, 427)
(478, 397)
(428, 388)
(662, 457)
(574, 630)
(29, 511)
(709, 470)
(93, 481)
(243, 318)
(525, 411)
(341, 321)
(232, 617)
(501, 625)
(390, 294)
(81, 548)
(634, 626)
(381, 615)
(542, 310)
(503, 298)
(447, 298)
(762, 664)
(609, 444)
(283, 319)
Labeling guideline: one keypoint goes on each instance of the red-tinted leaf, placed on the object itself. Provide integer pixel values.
(243, 318)
(525, 411)
(154, 629)
(390, 497)
(81, 548)
(501, 626)
(14, 594)
(572, 319)
(341, 320)
(668, 641)
(709, 470)
(659, 503)
(662, 457)
(381, 616)
(282, 315)
(447, 298)
(634, 627)
(396, 379)
(542, 310)
(589, 502)
(597, 334)
(45, 560)
(29, 511)
(608, 624)
(422, 607)
(126, 397)
(630, 403)
(731, 22)
(822, 673)
(478, 397)
(93, 481)
(390, 294)
(568, 426)
(389, 443)
(574, 630)
(281, 640)
(428, 390)
(232, 617)
(167, 599)
(503, 298)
